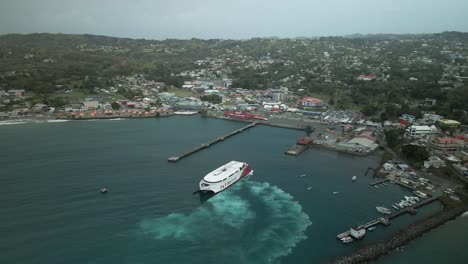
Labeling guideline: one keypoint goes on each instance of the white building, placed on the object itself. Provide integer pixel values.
(419, 131)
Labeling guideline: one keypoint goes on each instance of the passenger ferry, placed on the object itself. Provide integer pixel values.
(223, 177)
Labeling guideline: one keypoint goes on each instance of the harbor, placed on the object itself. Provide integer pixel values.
(208, 144)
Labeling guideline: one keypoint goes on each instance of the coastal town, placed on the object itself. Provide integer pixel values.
(339, 96)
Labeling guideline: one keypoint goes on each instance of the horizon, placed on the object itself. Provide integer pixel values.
(210, 19)
(240, 39)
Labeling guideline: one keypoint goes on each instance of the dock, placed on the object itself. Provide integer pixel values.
(385, 220)
(296, 150)
(208, 144)
(379, 182)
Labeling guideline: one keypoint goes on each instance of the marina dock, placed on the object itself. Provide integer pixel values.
(208, 144)
(379, 182)
(385, 220)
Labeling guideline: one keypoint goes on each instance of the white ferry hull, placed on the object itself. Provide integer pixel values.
(224, 177)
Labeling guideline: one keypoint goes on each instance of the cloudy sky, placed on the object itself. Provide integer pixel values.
(160, 19)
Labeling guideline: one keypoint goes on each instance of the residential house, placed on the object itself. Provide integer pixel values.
(16, 93)
(310, 102)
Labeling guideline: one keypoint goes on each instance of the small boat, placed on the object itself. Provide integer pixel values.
(309, 188)
(103, 190)
(383, 210)
(372, 228)
(336, 193)
(394, 206)
(302, 175)
(354, 178)
(376, 186)
(420, 194)
(347, 240)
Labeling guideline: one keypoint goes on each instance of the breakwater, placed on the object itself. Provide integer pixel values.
(401, 237)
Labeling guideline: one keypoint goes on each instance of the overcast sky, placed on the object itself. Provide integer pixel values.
(159, 19)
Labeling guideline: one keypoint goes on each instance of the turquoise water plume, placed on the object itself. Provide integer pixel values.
(232, 219)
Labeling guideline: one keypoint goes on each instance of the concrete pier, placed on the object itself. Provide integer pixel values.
(208, 144)
(385, 220)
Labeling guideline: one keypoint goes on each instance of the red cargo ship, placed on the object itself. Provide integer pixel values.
(244, 116)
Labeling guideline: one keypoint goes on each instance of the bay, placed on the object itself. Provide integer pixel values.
(52, 211)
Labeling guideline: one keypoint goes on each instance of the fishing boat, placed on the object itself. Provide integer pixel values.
(354, 178)
(103, 190)
(372, 228)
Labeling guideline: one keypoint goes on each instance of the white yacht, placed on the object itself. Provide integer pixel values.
(383, 210)
(223, 177)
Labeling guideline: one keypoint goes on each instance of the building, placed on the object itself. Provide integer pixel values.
(430, 102)
(16, 93)
(447, 123)
(435, 162)
(443, 145)
(419, 131)
(310, 102)
(278, 96)
(2, 93)
(367, 77)
(357, 233)
(91, 104)
(409, 118)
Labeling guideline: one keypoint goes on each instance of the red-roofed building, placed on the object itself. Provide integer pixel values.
(367, 77)
(444, 145)
(310, 102)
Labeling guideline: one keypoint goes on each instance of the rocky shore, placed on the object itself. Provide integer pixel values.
(401, 237)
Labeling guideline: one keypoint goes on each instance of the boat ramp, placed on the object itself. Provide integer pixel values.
(208, 144)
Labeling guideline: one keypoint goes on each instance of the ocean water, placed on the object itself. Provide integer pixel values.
(52, 212)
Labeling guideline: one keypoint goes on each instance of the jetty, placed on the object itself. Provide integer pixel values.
(379, 182)
(385, 220)
(208, 144)
(302, 143)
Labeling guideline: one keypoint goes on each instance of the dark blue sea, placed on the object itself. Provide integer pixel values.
(51, 210)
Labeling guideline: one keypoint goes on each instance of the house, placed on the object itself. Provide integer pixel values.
(443, 145)
(310, 102)
(16, 93)
(409, 118)
(419, 131)
(91, 104)
(430, 102)
(3, 93)
(366, 77)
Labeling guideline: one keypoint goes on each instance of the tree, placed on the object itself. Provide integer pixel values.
(309, 129)
(392, 136)
(115, 106)
(415, 153)
(212, 98)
